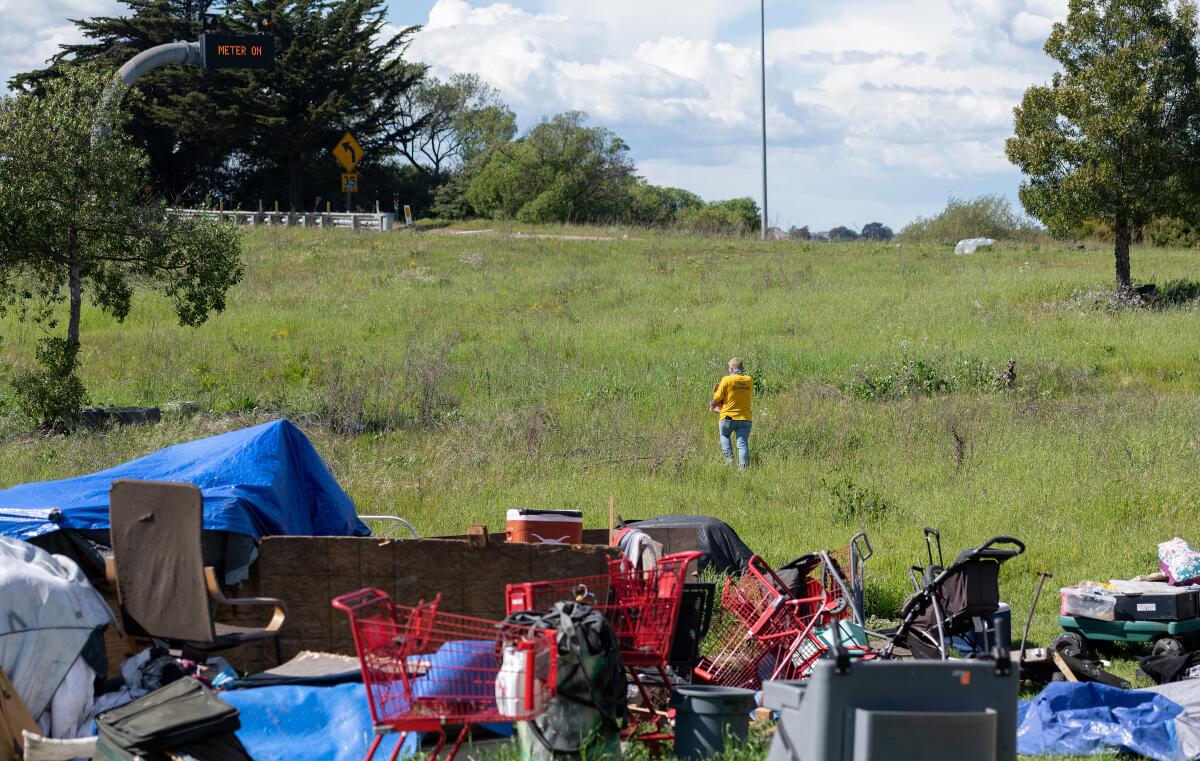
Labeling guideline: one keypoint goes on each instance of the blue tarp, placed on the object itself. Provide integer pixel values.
(260, 481)
(309, 723)
(1082, 719)
(304, 723)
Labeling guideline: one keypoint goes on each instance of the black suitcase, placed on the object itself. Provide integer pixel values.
(182, 713)
(1172, 606)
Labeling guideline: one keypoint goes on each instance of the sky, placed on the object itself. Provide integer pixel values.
(877, 110)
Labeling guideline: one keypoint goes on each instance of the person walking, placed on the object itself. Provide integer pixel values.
(731, 401)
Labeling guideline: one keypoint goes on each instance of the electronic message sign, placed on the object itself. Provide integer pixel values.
(237, 51)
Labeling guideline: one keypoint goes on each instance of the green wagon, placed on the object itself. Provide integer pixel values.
(1168, 637)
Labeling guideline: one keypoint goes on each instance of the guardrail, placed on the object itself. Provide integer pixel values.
(376, 221)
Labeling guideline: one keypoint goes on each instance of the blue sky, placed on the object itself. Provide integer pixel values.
(879, 110)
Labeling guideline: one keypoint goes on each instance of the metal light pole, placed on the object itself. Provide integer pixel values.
(763, 57)
(142, 63)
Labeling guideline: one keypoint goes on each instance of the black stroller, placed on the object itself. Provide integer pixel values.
(951, 601)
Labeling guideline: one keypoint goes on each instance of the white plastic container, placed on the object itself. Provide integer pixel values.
(512, 682)
(1089, 602)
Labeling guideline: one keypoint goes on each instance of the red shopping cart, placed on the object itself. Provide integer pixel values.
(426, 670)
(763, 632)
(642, 606)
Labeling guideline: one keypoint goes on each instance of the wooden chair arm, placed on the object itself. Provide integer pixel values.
(217, 596)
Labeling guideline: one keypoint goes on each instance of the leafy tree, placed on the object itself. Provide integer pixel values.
(1113, 136)
(444, 125)
(876, 231)
(840, 234)
(74, 218)
(561, 171)
(799, 233)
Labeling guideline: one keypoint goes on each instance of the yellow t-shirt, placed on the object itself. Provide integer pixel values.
(733, 394)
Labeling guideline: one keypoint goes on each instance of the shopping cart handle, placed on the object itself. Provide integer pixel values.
(767, 575)
(866, 541)
(354, 600)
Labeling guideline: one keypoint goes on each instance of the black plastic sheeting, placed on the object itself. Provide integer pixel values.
(724, 551)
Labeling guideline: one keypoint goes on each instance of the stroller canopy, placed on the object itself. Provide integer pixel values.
(259, 481)
(50, 612)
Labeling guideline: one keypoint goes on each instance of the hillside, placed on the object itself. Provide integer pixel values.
(447, 377)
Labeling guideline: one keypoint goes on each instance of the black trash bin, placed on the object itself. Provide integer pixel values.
(705, 715)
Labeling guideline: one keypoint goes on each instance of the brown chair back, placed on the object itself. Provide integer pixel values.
(156, 530)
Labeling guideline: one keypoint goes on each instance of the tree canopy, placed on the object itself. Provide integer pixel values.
(446, 125)
(876, 231)
(562, 170)
(1113, 136)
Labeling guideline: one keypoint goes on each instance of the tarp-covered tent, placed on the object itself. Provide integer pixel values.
(259, 481)
(50, 614)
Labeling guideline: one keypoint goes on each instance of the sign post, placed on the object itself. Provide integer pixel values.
(348, 153)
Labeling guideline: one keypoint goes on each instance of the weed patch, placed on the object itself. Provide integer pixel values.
(1175, 293)
(854, 504)
(912, 375)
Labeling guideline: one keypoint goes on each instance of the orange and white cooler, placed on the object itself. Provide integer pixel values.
(544, 526)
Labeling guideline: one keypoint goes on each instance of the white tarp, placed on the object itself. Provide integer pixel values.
(47, 612)
(971, 245)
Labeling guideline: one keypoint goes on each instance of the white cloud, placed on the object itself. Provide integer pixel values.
(30, 33)
(1031, 27)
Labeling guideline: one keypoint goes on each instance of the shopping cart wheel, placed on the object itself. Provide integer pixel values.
(1167, 646)
(1070, 643)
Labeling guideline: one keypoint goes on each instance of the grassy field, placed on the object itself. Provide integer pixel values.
(448, 377)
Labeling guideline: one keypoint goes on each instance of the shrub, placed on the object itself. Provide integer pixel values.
(857, 504)
(737, 216)
(1178, 292)
(799, 233)
(1172, 231)
(52, 395)
(450, 200)
(840, 234)
(989, 216)
(656, 206)
(919, 376)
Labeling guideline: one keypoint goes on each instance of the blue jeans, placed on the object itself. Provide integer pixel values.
(740, 430)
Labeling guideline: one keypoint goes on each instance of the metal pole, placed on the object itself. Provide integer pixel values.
(142, 63)
(1037, 592)
(763, 56)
